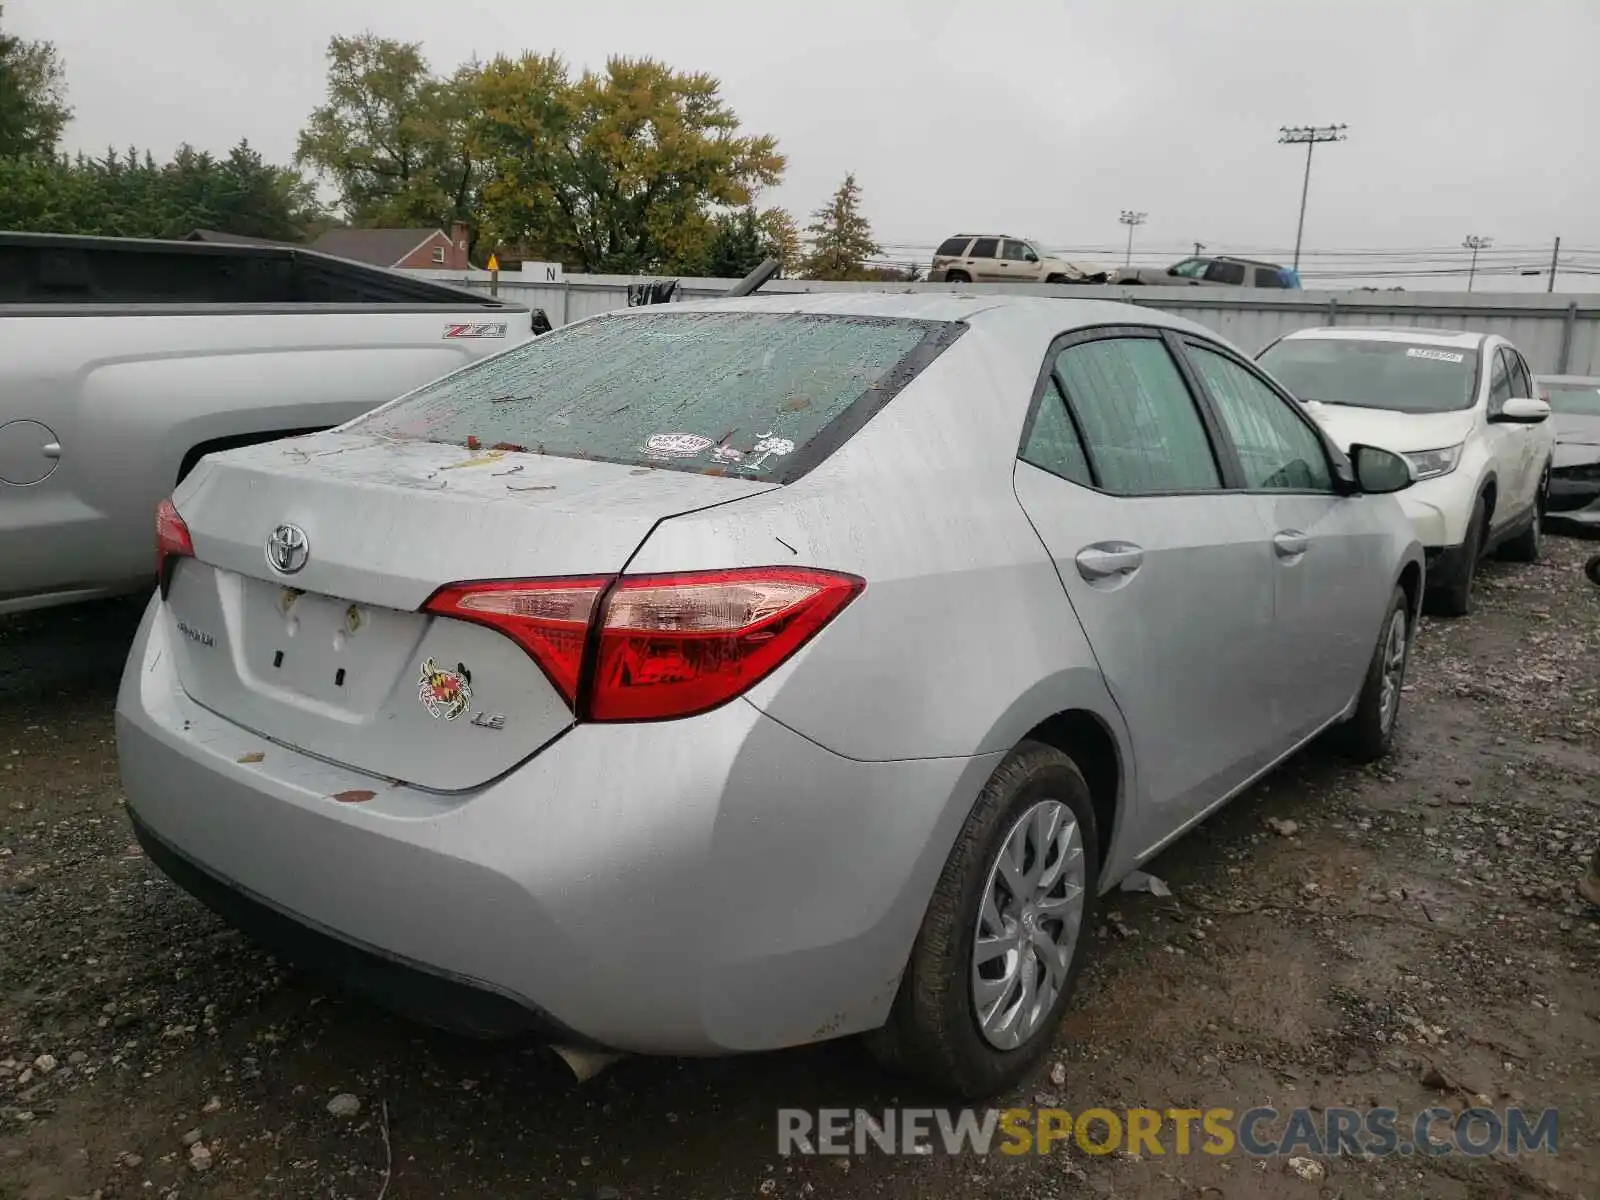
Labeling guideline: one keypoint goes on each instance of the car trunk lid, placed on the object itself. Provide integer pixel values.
(335, 658)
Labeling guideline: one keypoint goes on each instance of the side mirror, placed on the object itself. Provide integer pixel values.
(1520, 410)
(1379, 472)
(1172, 270)
(1029, 256)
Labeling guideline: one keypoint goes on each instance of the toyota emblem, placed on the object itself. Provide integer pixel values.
(288, 549)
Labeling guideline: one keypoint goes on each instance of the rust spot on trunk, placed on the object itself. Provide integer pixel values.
(353, 796)
(254, 756)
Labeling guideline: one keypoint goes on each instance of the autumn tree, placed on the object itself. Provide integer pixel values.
(622, 170)
(33, 96)
(841, 237)
(393, 138)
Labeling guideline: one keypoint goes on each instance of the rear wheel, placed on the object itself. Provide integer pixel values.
(1526, 546)
(1005, 934)
(957, 277)
(1369, 733)
(1453, 598)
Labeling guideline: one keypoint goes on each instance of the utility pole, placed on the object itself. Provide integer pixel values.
(1310, 136)
(1475, 243)
(1131, 219)
(1555, 257)
(1198, 246)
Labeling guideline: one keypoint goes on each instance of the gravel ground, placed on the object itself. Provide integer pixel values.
(1404, 935)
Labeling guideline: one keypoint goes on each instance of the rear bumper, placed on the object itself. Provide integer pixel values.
(692, 887)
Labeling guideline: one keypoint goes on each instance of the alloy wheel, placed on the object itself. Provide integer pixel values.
(1028, 924)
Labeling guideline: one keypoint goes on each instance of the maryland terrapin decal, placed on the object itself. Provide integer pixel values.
(443, 692)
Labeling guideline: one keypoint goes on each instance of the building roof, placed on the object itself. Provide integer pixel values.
(380, 247)
(231, 239)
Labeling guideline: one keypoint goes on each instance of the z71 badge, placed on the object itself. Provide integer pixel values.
(492, 330)
(443, 692)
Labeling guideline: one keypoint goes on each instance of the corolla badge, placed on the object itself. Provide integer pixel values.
(288, 548)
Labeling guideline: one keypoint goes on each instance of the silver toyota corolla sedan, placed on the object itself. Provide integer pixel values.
(721, 677)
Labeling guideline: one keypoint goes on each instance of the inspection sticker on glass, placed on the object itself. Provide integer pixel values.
(764, 449)
(1436, 355)
(677, 445)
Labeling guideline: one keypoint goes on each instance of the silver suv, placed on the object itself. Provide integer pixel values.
(1218, 271)
(1000, 258)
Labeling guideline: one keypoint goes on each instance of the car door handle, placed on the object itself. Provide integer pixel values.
(1107, 559)
(52, 450)
(1290, 543)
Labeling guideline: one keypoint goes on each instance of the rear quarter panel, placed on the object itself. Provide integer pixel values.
(128, 395)
(963, 640)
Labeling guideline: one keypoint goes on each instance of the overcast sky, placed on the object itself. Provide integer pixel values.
(1040, 118)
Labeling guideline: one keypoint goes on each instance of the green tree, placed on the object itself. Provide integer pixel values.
(745, 238)
(131, 195)
(841, 237)
(33, 96)
(622, 170)
(393, 138)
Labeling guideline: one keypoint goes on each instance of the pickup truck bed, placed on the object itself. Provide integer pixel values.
(123, 362)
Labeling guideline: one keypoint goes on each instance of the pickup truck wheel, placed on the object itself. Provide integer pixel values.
(1526, 546)
(1369, 733)
(1005, 934)
(1453, 598)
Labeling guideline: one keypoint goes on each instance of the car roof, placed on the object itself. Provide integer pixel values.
(1459, 339)
(1025, 313)
(1233, 258)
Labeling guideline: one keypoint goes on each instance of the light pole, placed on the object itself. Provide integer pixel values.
(1310, 136)
(1131, 219)
(1198, 246)
(1475, 243)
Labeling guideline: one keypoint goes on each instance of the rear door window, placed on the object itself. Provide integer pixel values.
(1225, 272)
(1270, 277)
(1142, 430)
(762, 395)
(952, 247)
(984, 248)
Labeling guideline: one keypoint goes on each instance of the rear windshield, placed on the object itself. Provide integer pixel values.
(764, 395)
(1375, 374)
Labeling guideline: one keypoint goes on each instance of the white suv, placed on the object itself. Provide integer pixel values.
(1461, 407)
(1000, 258)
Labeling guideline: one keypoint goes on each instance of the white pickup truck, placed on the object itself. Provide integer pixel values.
(123, 362)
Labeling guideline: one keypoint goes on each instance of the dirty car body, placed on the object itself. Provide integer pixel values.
(1575, 469)
(469, 717)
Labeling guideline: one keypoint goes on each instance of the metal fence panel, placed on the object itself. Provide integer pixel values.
(1558, 333)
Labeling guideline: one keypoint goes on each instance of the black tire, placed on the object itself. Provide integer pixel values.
(1056, 279)
(957, 277)
(1369, 733)
(1453, 598)
(933, 1031)
(1527, 545)
(1592, 570)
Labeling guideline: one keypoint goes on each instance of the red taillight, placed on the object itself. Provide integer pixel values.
(549, 618)
(172, 537)
(665, 645)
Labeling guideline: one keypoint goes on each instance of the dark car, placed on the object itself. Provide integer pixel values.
(1217, 271)
(1574, 496)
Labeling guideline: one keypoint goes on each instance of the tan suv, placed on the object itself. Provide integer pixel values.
(1000, 258)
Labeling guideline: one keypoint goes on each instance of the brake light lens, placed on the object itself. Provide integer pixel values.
(656, 647)
(172, 537)
(549, 618)
(676, 645)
